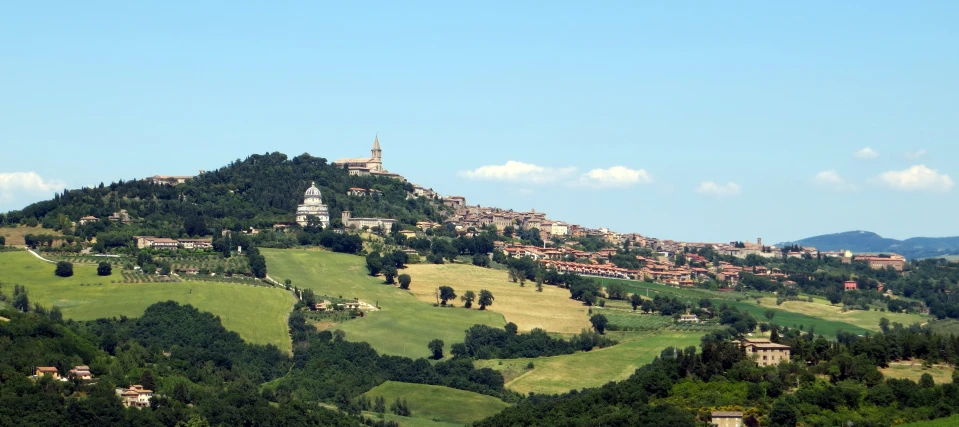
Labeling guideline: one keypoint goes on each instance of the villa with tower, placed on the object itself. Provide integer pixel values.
(368, 166)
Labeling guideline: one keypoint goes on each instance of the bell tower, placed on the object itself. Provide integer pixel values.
(377, 159)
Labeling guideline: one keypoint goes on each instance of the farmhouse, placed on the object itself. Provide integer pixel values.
(877, 262)
(765, 352)
(727, 419)
(195, 243)
(689, 318)
(81, 372)
(135, 397)
(41, 371)
(168, 180)
(360, 192)
(850, 285)
(87, 219)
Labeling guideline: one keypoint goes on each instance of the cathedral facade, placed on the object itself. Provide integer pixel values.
(312, 206)
(373, 165)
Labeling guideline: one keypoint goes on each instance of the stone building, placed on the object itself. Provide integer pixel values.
(373, 165)
(765, 352)
(312, 206)
(385, 224)
(726, 419)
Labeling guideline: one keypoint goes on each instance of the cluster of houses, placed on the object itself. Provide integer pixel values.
(122, 217)
(80, 372)
(152, 242)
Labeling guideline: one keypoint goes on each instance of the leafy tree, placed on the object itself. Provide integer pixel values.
(616, 291)
(511, 328)
(769, 314)
(379, 405)
(374, 263)
(446, 293)
(21, 301)
(599, 323)
(647, 306)
(64, 269)
(389, 273)
(436, 347)
(926, 381)
(485, 299)
(147, 381)
(308, 297)
(404, 280)
(468, 298)
(3, 240)
(783, 414)
(635, 300)
(884, 325)
(104, 269)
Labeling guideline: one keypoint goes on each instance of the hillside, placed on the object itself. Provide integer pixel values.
(865, 241)
(259, 191)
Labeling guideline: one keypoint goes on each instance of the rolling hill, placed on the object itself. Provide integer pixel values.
(866, 241)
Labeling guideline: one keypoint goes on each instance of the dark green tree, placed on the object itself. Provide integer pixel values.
(636, 301)
(485, 299)
(64, 269)
(389, 273)
(374, 263)
(599, 323)
(436, 347)
(147, 381)
(468, 298)
(446, 293)
(104, 269)
(404, 280)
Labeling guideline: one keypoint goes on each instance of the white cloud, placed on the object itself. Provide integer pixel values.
(831, 180)
(915, 154)
(719, 190)
(866, 154)
(917, 178)
(26, 182)
(518, 172)
(615, 176)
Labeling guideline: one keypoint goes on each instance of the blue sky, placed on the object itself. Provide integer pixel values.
(704, 121)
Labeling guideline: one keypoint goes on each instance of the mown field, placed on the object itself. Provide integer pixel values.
(913, 370)
(559, 374)
(403, 325)
(14, 235)
(864, 319)
(552, 309)
(826, 326)
(431, 404)
(258, 314)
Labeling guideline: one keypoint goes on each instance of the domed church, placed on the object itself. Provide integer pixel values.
(312, 205)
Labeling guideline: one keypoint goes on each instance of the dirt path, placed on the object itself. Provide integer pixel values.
(38, 256)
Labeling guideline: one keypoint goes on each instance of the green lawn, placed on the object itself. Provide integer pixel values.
(403, 326)
(559, 374)
(431, 404)
(792, 320)
(826, 325)
(821, 308)
(941, 422)
(258, 314)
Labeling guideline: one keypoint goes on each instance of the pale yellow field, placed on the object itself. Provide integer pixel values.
(551, 309)
(14, 235)
(912, 370)
(822, 309)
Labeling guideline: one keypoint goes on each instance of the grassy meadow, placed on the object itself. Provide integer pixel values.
(826, 321)
(559, 374)
(258, 314)
(864, 319)
(403, 325)
(14, 235)
(434, 405)
(551, 310)
(913, 370)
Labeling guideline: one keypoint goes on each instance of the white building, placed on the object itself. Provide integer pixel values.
(312, 206)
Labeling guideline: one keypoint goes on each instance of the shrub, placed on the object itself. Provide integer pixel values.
(64, 269)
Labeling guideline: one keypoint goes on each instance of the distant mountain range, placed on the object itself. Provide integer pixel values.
(865, 241)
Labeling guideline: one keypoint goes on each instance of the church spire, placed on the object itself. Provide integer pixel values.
(376, 151)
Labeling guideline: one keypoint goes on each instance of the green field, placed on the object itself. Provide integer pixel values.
(402, 326)
(941, 422)
(559, 374)
(822, 309)
(634, 321)
(826, 325)
(913, 370)
(431, 404)
(258, 314)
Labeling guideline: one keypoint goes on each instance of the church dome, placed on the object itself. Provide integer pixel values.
(313, 191)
